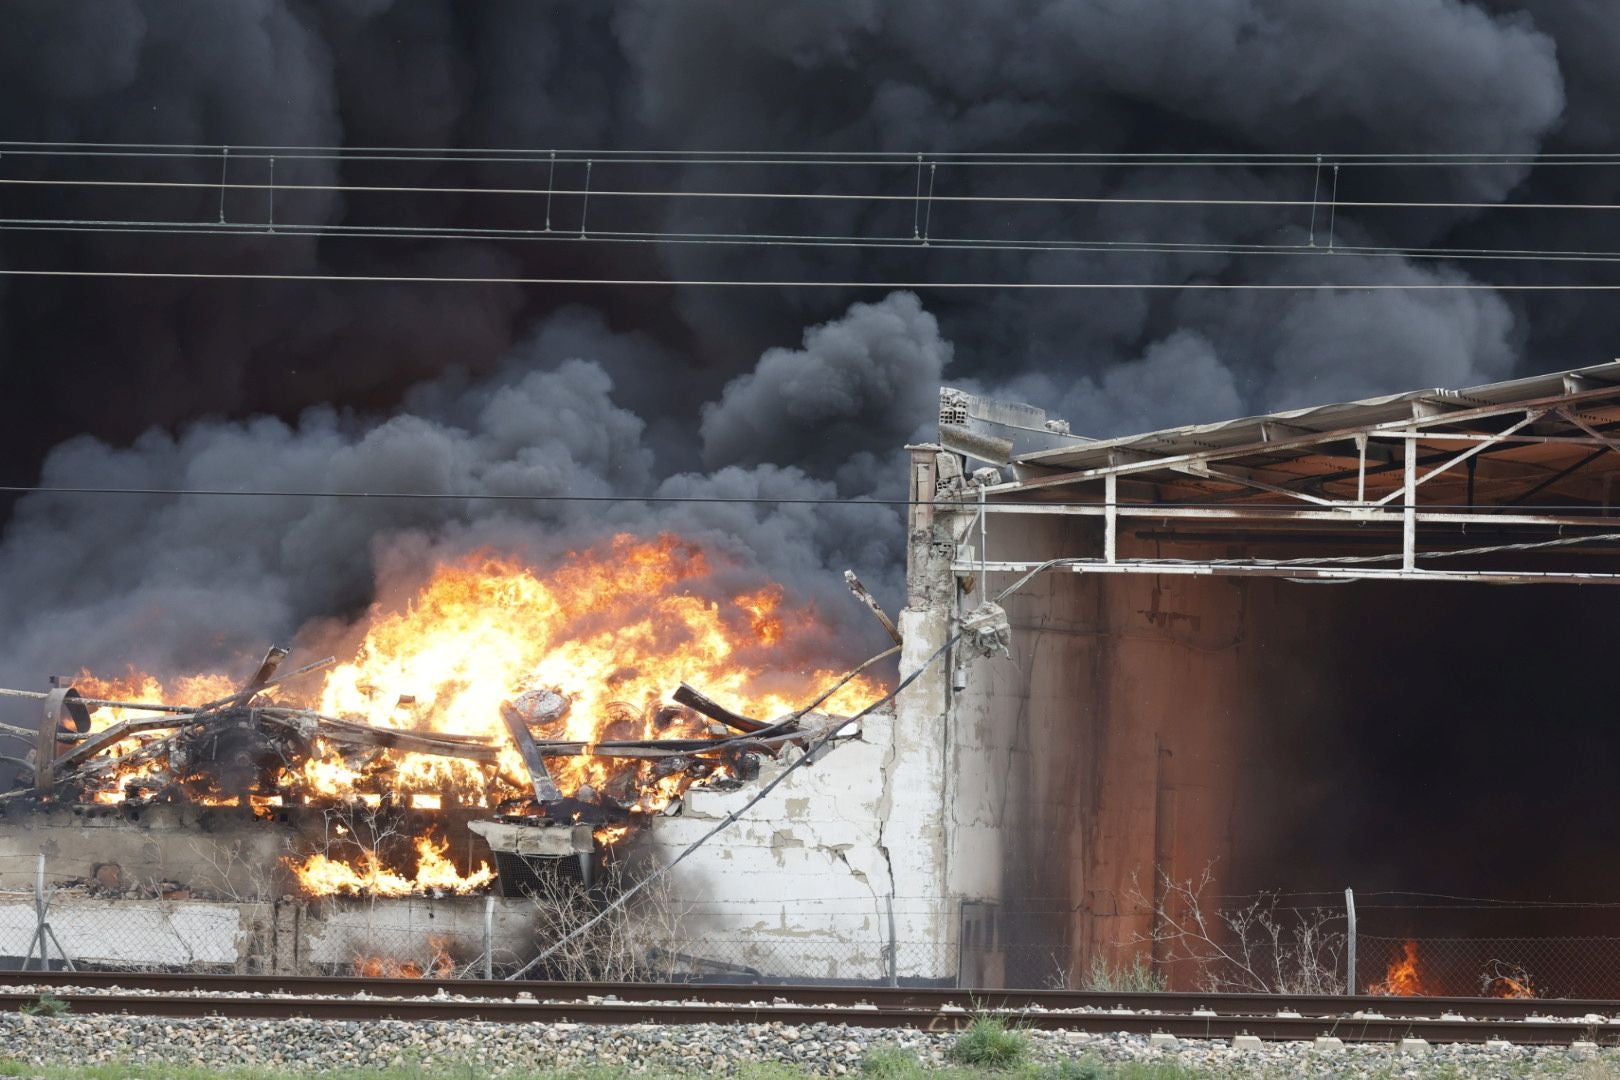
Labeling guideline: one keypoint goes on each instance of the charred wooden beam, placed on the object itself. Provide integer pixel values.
(697, 702)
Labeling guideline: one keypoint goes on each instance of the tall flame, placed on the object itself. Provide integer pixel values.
(614, 629)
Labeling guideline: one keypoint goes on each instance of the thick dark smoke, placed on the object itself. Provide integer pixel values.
(689, 391)
(167, 583)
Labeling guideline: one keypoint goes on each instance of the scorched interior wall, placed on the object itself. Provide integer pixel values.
(1285, 735)
(1113, 742)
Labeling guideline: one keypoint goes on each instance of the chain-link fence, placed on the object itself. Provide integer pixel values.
(1561, 967)
(111, 923)
(1403, 949)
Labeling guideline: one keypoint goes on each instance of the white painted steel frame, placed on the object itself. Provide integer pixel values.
(1325, 573)
(1382, 511)
(1406, 428)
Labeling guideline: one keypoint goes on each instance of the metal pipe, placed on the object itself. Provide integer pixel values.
(1409, 510)
(1110, 518)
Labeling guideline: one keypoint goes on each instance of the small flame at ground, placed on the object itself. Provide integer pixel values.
(439, 963)
(1402, 978)
(1504, 980)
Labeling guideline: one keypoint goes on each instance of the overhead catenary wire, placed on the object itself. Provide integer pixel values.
(801, 240)
(735, 156)
(801, 196)
(920, 237)
(812, 283)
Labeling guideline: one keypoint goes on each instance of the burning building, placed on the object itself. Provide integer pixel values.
(501, 730)
(1203, 623)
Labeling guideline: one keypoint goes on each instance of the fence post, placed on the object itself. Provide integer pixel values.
(42, 928)
(1350, 948)
(39, 916)
(894, 947)
(489, 936)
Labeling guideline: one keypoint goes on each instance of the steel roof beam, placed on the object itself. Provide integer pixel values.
(1262, 448)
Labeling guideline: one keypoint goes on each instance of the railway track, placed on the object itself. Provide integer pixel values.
(1185, 1015)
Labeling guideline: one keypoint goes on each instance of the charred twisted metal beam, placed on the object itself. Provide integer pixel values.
(301, 722)
(664, 748)
(545, 788)
(106, 703)
(177, 710)
(698, 702)
(265, 684)
(416, 742)
(64, 703)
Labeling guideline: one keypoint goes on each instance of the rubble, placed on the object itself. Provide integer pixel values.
(248, 749)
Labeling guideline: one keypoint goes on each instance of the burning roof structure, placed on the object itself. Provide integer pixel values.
(550, 708)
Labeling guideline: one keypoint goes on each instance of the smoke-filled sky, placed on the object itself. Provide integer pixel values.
(695, 391)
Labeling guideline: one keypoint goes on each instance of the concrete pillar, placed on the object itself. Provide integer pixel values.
(287, 926)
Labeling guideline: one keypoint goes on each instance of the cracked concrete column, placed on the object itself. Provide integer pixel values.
(915, 783)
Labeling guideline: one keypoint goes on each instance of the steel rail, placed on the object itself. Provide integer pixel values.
(1533, 1031)
(823, 1003)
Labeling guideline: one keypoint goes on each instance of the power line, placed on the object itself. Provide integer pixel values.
(853, 241)
(922, 286)
(808, 240)
(803, 196)
(900, 158)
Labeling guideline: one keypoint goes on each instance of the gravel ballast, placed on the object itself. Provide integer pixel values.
(819, 1049)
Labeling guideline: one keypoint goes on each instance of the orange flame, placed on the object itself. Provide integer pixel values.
(1505, 986)
(440, 964)
(614, 629)
(138, 687)
(1402, 978)
(1506, 980)
(324, 876)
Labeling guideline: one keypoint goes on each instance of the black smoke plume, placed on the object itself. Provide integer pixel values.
(694, 391)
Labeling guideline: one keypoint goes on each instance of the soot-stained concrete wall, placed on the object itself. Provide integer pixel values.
(836, 875)
(290, 937)
(1115, 743)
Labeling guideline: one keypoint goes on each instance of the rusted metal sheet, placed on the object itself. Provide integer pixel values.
(63, 713)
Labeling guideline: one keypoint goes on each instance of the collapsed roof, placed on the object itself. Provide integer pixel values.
(1530, 460)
